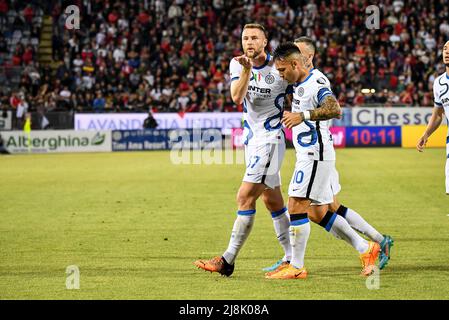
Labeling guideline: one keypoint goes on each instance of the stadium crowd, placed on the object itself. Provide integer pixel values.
(173, 56)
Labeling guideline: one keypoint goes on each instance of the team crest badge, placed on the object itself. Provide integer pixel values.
(269, 79)
(300, 91)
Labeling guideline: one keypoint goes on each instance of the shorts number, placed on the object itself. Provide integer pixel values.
(257, 158)
(299, 176)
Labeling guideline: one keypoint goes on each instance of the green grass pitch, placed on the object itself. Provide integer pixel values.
(134, 223)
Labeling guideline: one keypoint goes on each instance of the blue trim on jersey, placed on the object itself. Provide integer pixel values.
(250, 134)
(312, 133)
(447, 76)
(245, 108)
(289, 89)
(322, 93)
(447, 140)
(264, 64)
(235, 78)
(312, 69)
(299, 83)
(439, 104)
(246, 212)
(278, 213)
(331, 222)
(299, 222)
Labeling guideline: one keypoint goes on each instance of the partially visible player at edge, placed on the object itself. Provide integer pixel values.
(310, 191)
(441, 102)
(256, 83)
(307, 48)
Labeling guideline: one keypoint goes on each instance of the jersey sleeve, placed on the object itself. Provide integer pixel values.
(235, 69)
(322, 89)
(320, 93)
(436, 96)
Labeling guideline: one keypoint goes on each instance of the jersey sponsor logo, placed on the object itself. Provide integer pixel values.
(269, 79)
(259, 90)
(300, 91)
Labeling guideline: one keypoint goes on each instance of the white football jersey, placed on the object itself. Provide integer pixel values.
(312, 139)
(441, 93)
(264, 102)
(441, 100)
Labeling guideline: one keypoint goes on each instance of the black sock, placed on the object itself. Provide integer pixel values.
(342, 211)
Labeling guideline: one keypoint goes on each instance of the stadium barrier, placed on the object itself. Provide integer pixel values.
(134, 121)
(49, 141)
(411, 134)
(52, 141)
(382, 116)
(167, 139)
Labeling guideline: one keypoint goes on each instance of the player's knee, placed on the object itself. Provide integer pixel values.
(245, 201)
(298, 206)
(272, 203)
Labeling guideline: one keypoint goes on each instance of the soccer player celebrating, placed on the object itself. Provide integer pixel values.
(441, 101)
(310, 189)
(307, 48)
(256, 83)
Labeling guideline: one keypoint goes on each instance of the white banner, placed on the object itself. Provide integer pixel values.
(5, 122)
(57, 141)
(391, 116)
(134, 121)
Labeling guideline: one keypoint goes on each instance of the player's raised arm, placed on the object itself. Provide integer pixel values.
(239, 87)
(434, 123)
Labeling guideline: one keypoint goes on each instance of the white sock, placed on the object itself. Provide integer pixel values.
(358, 223)
(299, 234)
(240, 232)
(339, 227)
(281, 223)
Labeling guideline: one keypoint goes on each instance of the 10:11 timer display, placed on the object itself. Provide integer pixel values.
(373, 136)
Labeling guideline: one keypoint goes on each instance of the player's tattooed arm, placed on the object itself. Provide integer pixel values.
(329, 109)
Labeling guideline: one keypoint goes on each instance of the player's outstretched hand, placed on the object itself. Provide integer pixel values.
(421, 143)
(244, 61)
(291, 119)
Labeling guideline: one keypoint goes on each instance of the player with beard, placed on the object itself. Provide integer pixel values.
(256, 83)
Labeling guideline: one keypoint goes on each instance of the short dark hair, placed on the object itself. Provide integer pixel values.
(307, 41)
(284, 50)
(256, 26)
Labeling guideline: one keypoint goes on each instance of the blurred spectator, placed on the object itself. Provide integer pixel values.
(150, 122)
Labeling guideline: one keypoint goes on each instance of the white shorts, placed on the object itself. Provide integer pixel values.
(335, 182)
(312, 180)
(263, 163)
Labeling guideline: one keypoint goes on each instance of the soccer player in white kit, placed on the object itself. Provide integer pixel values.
(355, 220)
(256, 83)
(441, 102)
(312, 106)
